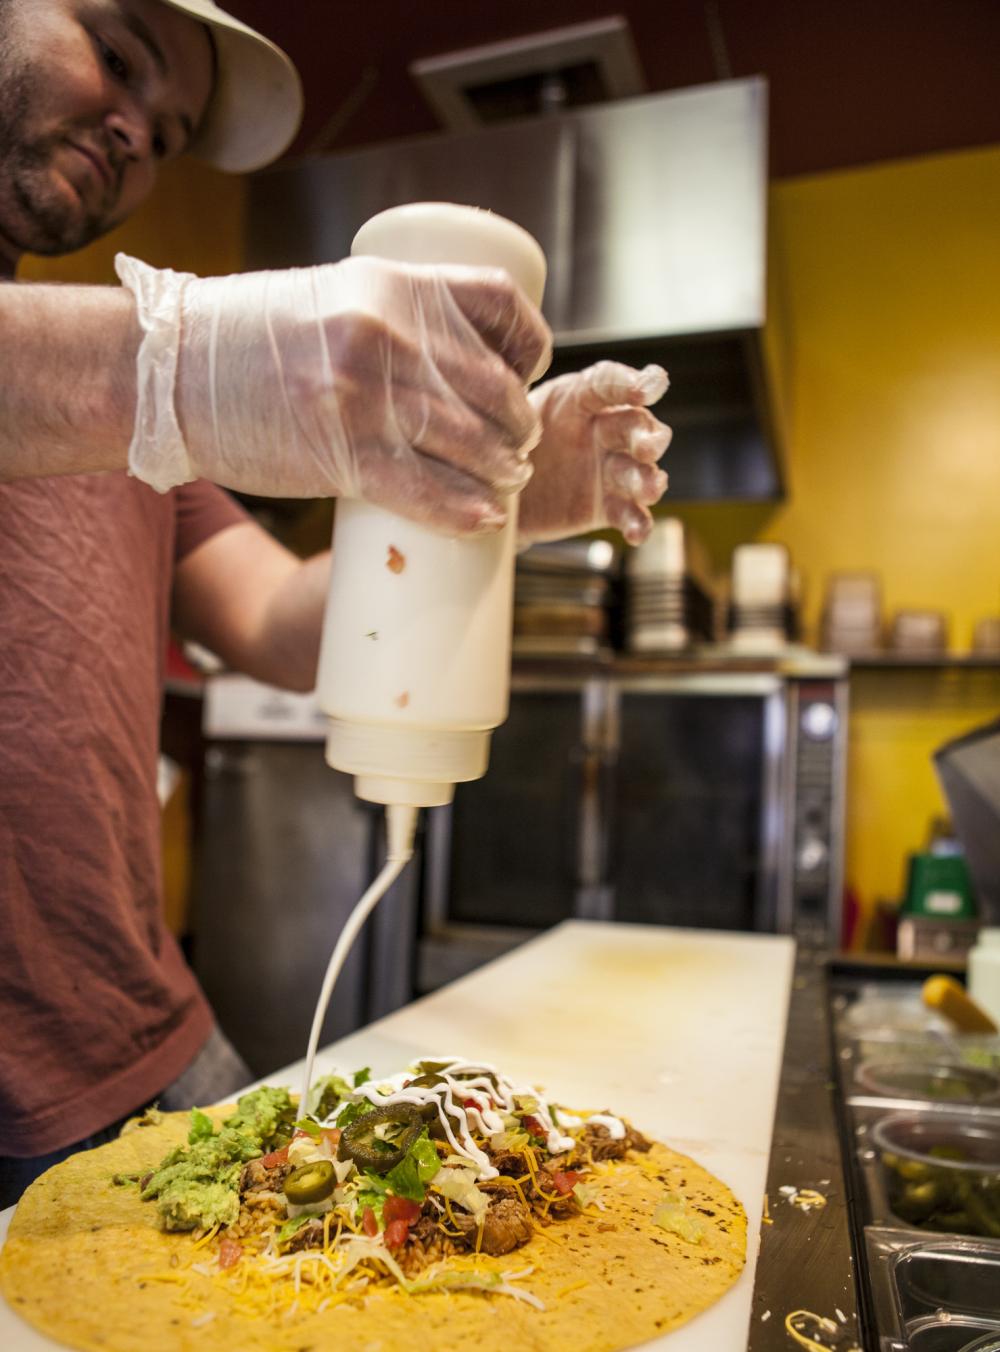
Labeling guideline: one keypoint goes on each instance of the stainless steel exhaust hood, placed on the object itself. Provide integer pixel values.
(652, 213)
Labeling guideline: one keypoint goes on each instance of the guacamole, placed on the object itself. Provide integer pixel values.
(197, 1186)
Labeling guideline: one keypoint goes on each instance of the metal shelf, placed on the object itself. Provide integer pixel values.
(925, 661)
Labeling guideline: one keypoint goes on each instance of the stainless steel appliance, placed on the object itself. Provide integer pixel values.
(651, 212)
(284, 851)
(969, 771)
(700, 793)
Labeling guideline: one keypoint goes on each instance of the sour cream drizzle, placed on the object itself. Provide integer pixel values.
(486, 1087)
(615, 1126)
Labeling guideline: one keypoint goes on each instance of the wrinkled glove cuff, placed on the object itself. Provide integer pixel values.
(158, 454)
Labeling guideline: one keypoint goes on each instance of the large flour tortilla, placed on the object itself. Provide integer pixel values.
(85, 1263)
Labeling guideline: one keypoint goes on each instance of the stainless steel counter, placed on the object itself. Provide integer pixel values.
(806, 1261)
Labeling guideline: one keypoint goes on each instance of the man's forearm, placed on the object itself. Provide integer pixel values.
(290, 637)
(253, 603)
(67, 379)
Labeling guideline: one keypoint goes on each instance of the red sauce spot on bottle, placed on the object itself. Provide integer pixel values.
(401, 701)
(396, 562)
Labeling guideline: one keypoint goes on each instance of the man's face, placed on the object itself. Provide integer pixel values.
(94, 96)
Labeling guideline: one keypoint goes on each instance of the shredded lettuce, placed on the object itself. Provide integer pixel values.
(455, 1280)
(285, 1232)
(310, 1127)
(510, 1140)
(459, 1185)
(419, 1166)
(672, 1215)
(362, 1076)
(325, 1094)
(351, 1112)
(451, 1280)
(371, 1194)
(586, 1193)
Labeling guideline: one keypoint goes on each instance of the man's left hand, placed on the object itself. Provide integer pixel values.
(595, 464)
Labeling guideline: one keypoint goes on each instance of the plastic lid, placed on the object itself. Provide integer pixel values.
(406, 765)
(447, 232)
(402, 792)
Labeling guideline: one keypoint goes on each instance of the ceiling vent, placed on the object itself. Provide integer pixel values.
(563, 68)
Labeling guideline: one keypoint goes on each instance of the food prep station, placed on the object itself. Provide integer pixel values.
(679, 1031)
(920, 1116)
(902, 1115)
(799, 1079)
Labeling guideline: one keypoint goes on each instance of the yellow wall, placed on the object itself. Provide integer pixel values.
(891, 279)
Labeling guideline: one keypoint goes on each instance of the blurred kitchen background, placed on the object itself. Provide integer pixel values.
(796, 208)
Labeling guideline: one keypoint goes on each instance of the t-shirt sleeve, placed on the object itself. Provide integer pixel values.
(203, 509)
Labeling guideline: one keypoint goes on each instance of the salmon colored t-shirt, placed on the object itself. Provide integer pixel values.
(98, 1009)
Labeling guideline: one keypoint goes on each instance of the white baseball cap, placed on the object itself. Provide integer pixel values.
(256, 105)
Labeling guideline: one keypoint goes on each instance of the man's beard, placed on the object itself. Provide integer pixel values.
(34, 215)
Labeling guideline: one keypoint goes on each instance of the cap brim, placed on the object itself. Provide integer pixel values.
(256, 105)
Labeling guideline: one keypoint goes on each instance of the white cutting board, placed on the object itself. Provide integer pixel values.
(681, 1031)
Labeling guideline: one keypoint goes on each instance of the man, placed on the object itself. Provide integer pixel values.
(401, 385)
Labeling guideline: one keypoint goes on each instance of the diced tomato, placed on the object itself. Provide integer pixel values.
(298, 1133)
(230, 1253)
(565, 1182)
(332, 1134)
(400, 1209)
(471, 1103)
(275, 1157)
(533, 1125)
(396, 1233)
(368, 1222)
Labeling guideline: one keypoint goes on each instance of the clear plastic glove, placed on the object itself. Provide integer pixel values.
(400, 384)
(595, 464)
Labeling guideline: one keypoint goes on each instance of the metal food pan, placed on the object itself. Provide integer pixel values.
(972, 1124)
(940, 1170)
(959, 1336)
(937, 1295)
(939, 1081)
(977, 1053)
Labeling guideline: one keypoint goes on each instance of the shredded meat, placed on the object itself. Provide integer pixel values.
(508, 1162)
(506, 1225)
(426, 1244)
(308, 1236)
(603, 1146)
(256, 1177)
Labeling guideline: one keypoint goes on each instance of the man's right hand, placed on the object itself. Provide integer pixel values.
(400, 384)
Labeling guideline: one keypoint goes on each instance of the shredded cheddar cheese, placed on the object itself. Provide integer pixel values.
(207, 1236)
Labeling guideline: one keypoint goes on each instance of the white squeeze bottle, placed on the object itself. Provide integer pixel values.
(414, 670)
(415, 665)
(984, 972)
